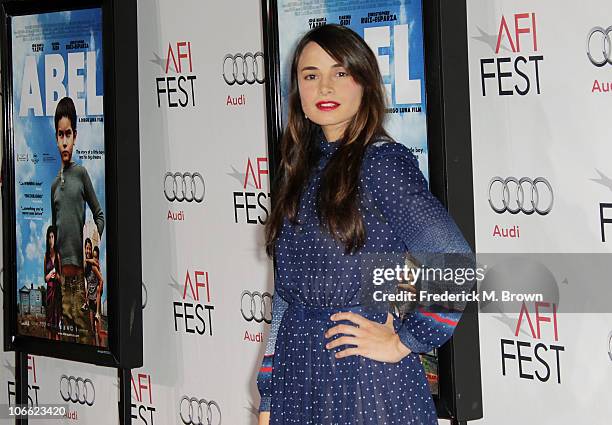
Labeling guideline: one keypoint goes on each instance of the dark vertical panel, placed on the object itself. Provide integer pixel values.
(125, 140)
(451, 149)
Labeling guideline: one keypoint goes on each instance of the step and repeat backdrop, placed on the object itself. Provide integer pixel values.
(207, 283)
(540, 90)
(541, 97)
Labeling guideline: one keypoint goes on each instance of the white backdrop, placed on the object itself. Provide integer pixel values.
(561, 134)
(199, 257)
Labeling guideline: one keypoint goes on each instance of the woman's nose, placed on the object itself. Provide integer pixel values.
(326, 86)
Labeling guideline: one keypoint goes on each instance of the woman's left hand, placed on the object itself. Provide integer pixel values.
(372, 340)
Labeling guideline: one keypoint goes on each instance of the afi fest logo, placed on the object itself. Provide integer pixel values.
(516, 66)
(605, 218)
(176, 88)
(193, 313)
(33, 387)
(534, 357)
(393, 41)
(142, 408)
(251, 204)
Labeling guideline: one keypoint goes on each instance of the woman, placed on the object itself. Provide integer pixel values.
(53, 273)
(345, 192)
(93, 279)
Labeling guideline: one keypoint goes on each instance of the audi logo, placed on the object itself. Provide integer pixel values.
(601, 51)
(77, 390)
(256, 306)
(195, 411)
(187, 187)
(510, 195)
(244, 68)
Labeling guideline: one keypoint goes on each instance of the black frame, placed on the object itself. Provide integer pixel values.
(450, 173)
(124, 263)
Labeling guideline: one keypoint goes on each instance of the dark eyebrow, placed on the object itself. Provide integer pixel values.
(314, 68)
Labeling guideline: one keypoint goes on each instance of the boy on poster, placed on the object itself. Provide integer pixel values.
(70, 191)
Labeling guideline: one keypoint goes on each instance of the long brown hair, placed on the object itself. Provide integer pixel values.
(338, 196)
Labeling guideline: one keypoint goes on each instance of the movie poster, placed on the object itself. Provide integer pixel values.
(394, 31)
(60, 205)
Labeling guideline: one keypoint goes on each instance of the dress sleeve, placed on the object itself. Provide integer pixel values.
(264, 377)
(399, 192)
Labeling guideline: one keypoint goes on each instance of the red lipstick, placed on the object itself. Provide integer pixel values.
(327, 105)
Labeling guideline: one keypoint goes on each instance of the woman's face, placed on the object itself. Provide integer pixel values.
(87, 250)
(330, 97)
(51, 240)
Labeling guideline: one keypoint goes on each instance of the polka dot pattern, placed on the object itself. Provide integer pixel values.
(315, 278)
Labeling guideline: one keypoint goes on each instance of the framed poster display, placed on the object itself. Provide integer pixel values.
(71, 293)
(394, 31)
(422, 55)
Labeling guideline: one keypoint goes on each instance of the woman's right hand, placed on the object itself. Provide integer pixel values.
(264, 418)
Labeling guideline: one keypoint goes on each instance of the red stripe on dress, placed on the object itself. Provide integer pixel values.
(266, 369)
(439, 318)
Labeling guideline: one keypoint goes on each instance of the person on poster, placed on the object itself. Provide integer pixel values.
(345, 191)
(93, 282)
(70, 192)
(53, 273)
(96, 263)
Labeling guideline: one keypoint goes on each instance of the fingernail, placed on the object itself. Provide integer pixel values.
(333, 317)
(327, 346)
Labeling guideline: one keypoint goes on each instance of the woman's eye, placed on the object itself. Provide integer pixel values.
(309, 77)
(342, 74)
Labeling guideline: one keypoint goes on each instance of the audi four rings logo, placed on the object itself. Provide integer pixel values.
(77, 390)
(256, 306)
(510, 195)
(187, 187)
(599, 46)
(195, 411)
(244, 68)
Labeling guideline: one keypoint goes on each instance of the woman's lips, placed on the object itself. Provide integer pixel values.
(327, 105)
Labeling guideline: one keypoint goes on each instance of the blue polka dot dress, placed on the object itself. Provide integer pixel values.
(300, 381)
